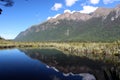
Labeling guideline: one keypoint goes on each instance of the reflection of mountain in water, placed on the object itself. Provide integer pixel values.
(68, 63)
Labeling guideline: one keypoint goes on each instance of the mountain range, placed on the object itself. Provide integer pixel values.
(101, 25)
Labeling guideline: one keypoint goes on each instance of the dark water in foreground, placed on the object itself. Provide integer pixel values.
(46, 64)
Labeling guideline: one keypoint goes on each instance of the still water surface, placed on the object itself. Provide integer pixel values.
(45, 64)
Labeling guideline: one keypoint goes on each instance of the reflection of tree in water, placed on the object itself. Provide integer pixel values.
(69, 63)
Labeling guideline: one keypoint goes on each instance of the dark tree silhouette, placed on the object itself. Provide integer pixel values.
(6, 3)
(0, 11)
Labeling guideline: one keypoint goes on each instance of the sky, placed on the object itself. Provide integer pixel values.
(25, 13)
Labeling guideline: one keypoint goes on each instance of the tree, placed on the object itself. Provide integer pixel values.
(0, 11)
(6, 3)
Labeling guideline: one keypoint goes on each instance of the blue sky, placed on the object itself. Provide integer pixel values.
(25, 13)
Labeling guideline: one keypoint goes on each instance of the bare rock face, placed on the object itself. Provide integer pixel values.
(102, 12)
(118, 6)
(64, 16)
(71, 16)
(117, 9)
(80, 16)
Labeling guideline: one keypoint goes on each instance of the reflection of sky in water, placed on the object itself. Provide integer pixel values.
(15, 65)
(86, 76)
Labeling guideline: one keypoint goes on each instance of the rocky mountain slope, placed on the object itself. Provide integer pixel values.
(101, 25)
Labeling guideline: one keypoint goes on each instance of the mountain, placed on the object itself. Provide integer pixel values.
(1, 38)
(101, 25)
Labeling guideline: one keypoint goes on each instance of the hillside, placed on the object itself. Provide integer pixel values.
(101, 25)
(1, 38)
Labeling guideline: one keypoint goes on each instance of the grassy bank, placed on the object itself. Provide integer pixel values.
(109, 52)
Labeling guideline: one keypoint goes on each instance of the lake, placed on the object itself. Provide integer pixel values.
(47, 64)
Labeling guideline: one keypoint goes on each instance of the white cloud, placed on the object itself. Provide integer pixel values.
(88, 9)
(57, 6)
(53, 17)
(70, 2)
(49, 18)
(109, 1)
(56, 16)
(67, 10)
(94, 1)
